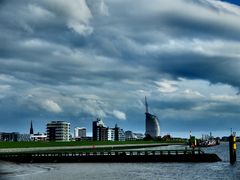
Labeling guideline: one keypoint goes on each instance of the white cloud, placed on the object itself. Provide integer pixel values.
(103, 8)
(51, 106)
(75, 13)
(98, 8)
(79, 27)
(192, 93)
(4, 89)
(39, 12)
(225, 98)
(36, 44)
(119, 115)
(91, 107)
(166, 86)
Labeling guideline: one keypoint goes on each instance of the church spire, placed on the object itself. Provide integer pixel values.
(31, 128)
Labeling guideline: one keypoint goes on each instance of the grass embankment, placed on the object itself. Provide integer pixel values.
(75, 143)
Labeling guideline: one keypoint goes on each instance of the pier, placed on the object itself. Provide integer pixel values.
(185, 155)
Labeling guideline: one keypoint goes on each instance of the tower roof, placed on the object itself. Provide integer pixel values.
(146, 104)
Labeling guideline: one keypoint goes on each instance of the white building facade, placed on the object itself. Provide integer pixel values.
(80, 132)
(58, 131)
(111, 134)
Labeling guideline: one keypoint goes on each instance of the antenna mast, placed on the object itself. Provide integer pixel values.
(146, 104)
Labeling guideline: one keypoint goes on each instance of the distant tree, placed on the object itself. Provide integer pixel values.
(167, 137)
(148, 137)
(159, 138)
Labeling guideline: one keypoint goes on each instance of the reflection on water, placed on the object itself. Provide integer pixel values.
(163, 171)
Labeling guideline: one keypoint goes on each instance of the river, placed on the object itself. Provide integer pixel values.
(128, 171)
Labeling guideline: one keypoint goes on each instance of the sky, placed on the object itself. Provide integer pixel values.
(77, 60)
(237, 2)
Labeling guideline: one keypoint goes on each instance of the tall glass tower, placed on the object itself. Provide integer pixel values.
(152, 123)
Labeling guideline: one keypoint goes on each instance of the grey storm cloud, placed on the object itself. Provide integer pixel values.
(80, 59)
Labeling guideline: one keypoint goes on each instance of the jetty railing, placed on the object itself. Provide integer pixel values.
(103, 153)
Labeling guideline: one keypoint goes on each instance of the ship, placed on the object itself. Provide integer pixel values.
(208, 141)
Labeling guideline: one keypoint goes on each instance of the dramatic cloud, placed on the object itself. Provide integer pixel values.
(166, 86)
(51, 106)
(81, 59)
(119, 115)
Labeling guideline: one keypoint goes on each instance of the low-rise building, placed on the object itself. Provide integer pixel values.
(24, 137)
(129, 135)
(139, 136)
(13, 136)
(39, 137)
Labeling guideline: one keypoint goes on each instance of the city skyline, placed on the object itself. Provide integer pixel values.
(89, 132)
(78, 60)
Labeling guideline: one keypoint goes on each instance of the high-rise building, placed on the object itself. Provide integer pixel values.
(58, 131)
(119, 134)
(103, 133)
(116, 133)
(152, 123)
(111, 134)
(80, 132)
(31, 128)
(99, 131)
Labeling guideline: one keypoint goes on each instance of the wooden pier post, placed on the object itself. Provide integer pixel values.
(232, 148)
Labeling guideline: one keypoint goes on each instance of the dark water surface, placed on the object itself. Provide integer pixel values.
(129, 171)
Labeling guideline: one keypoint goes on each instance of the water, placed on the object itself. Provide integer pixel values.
(133, 171)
